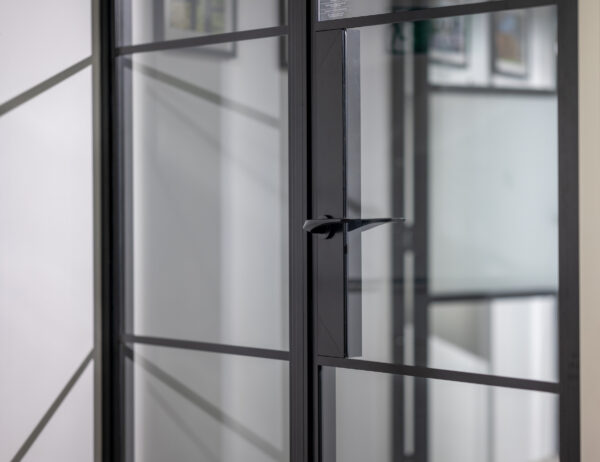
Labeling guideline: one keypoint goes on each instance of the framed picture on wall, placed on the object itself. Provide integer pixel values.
(448, 41)
(509, 43)
(192, 18)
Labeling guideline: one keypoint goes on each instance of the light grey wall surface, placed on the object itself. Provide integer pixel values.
(589, 222)
(46, 253)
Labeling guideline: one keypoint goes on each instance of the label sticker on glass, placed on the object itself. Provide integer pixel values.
(332, 9)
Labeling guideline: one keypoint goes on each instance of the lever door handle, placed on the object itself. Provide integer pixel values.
(328, 226)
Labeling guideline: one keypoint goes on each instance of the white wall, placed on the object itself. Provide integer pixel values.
(46, 285)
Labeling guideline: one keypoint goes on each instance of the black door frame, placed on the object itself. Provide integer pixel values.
(304, 361)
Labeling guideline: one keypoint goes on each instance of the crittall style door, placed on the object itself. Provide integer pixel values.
(344, 231)
(435, 218)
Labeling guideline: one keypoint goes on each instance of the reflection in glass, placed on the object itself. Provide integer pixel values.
(461, 422)
(208, 141)
(338, 9)
(143, 21)
(192, 406)
(507, 336)
(459, 135)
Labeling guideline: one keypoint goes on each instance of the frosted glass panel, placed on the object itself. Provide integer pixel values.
(493, 179)
(40, 38)
(46, 269)
(462, 422)
(141, 21)
(210, 195)
(192, 406)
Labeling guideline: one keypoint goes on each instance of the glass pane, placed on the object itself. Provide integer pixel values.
(508, 336)
(338, 9)
(192, 406)
(382, 417)
(464, 146)
(210, 194)
(143, 21)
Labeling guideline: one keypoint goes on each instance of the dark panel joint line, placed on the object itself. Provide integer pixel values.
(440, 374)
(207, 347)
(203, 40)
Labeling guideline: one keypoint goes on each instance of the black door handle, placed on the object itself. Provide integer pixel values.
(328, 226)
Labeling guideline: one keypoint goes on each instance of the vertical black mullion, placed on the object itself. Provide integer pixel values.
(315, 423)
(124, 142)
(420, 234)
(301, 360)
(111, 294)
(397, 169)
(327, 415)
(568, 232)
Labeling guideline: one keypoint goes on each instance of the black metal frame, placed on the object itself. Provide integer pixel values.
(305, 363)
(110, 231)
(568, 384)
(568, 229)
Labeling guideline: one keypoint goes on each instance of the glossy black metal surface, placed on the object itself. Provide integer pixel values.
(327, 227)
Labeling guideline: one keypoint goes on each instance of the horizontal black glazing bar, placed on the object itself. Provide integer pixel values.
(430, 13)
(203, 40)
(474, 296)
(482, 90)
(208, 347)
(439, 374)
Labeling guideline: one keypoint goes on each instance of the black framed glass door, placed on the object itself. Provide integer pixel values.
(342, 231)
(437, 324)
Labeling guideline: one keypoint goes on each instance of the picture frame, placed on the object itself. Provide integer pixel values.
(509, 42)
(449, 41)
(181, 19)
